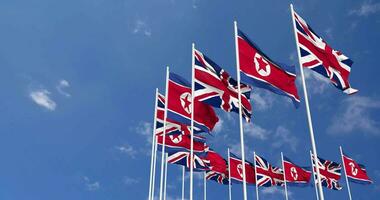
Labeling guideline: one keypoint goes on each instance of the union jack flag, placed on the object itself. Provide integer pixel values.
(221, 178)
(266, 174)
(317, 55)
(214, 86)
(183, 158)
(330, 173)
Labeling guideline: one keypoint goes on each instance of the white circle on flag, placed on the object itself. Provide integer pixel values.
(240, 170)
(186, 102)
(354, 170)
(293, 173)
(175, 139)
(261, 65)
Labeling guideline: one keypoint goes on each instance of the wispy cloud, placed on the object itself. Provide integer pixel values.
(262, 100)
(255, 131)
(141, 27)
(366, 8)
(41, 97)
(91, 186)
(355, 114)
(235, 148)
(130, 181)
(127, 149)
(316, 82)
(271, 191)
(145, 129)
(61, 86)
(283, 137)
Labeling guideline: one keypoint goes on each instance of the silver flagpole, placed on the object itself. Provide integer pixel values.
(164, 134)
(240, 111)
(204, 186)
(312, 169)
(229, 176)
(166, 174)
(154, 168)
(151, 189)
(283, 168)
(192, 121)
(257, 187)
(345, 173)
(183, 182)
(314, 147)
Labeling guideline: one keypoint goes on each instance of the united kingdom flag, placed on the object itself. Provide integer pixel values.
(329, 171)
(214, 86)
(221, 178)
(317, 55)
(217, 167)
(266, 174)
(183, 158)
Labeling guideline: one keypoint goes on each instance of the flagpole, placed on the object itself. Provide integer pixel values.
(240, 111)
(345, 173)
(164, 133)
(314, 148)
(166, 174)
(257, 187)
(183, 182)
(153, 142)
(154, 167)
(229, 176)
(283, 167)
(312, 169)
(192, 121)
(204, 186)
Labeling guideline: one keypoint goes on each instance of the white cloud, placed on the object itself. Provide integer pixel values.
(61, 86)
(41, 97)
(283, 137)
(355, 114)
(141, 27)
(130, 180)
(316, 83)
(145, 129)
(271, 191)
(127, 149)
(235, 149)
(91, 186)
(262, 100)
(255, 131)
(367, 8)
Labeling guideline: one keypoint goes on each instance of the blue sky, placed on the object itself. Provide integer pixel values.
(78, 80)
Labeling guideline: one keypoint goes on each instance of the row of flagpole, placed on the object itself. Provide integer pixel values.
(230, 183)
(162, 191)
